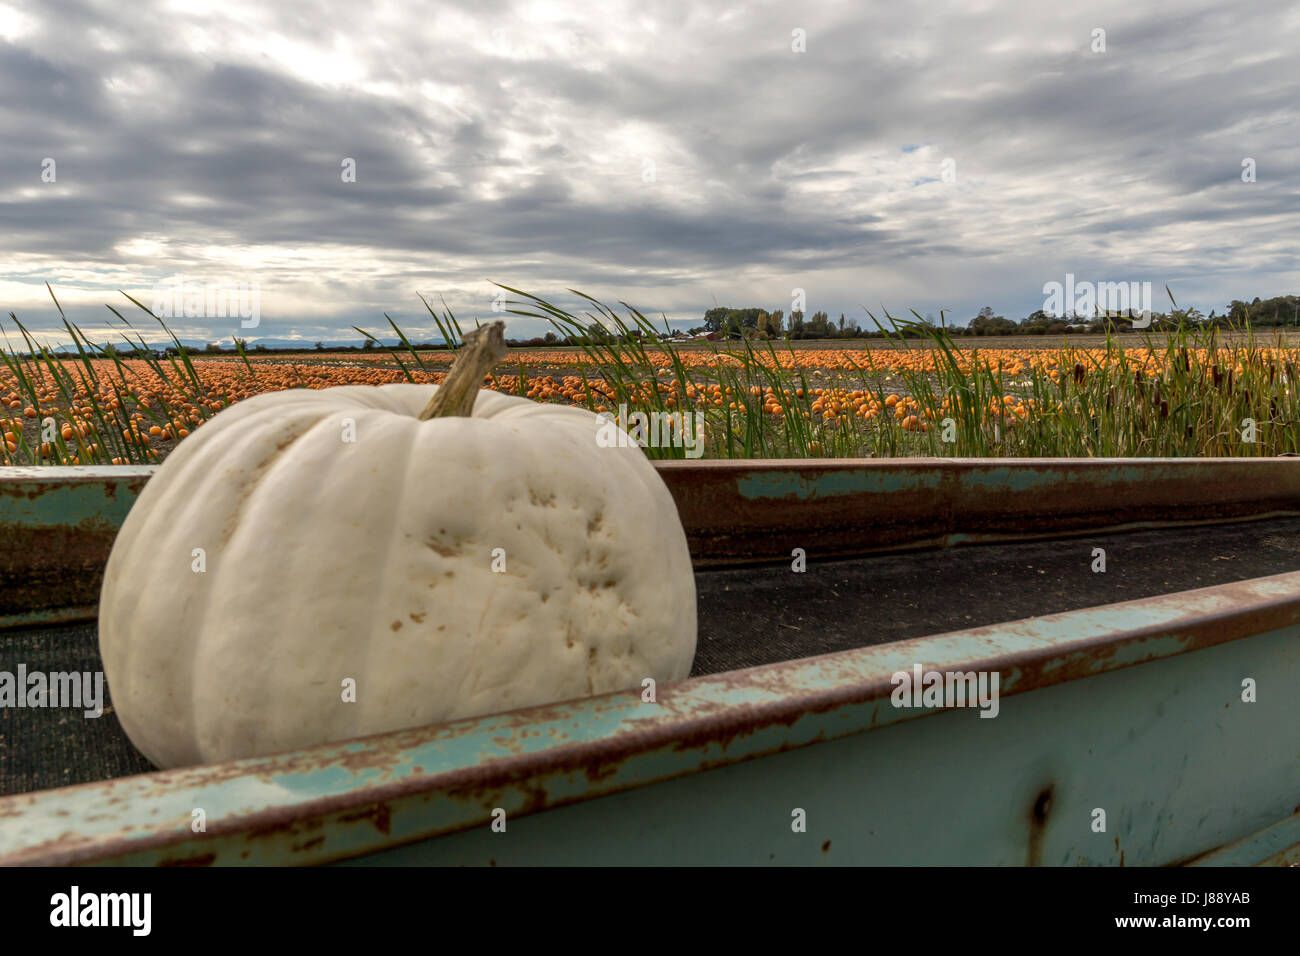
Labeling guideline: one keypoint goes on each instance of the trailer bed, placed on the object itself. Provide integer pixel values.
(757, 615)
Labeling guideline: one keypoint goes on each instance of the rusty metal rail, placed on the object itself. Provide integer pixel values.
(746, 512)
(57, 524)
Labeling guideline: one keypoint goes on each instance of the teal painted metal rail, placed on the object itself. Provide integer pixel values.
(57, 523)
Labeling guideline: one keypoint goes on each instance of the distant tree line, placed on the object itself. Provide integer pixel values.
(775, 324)
(1281, 311)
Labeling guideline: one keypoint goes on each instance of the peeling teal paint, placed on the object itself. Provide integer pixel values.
(88, 497)
(833, 483)
(84, 506)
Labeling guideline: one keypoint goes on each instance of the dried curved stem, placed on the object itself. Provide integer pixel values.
(483, 348)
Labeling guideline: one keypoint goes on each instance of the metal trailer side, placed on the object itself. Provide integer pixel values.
(1122, 735)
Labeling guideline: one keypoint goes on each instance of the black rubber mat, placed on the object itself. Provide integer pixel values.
(750, 617)
(47, 747)
(753, 616)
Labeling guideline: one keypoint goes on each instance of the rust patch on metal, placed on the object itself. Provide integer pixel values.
(52, 568)
(290, 827)
(379, 814)
(598, 772)
(1189, 860)
(1038, 814)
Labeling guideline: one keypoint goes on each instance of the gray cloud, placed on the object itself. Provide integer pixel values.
(676, 155)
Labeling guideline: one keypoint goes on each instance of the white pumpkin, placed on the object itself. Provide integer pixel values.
(448, 567)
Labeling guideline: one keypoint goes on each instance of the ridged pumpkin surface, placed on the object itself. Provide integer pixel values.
(372, 560)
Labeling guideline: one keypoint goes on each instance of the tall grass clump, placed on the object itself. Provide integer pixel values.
(1182, 393)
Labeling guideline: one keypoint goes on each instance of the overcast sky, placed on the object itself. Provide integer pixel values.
(674, 155)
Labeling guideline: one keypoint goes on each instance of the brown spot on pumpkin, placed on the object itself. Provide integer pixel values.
(397, 625)
(418, 618)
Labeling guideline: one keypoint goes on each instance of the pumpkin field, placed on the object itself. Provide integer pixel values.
(1171, 394)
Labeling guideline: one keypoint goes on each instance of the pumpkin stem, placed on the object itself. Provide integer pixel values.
(483, 348)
